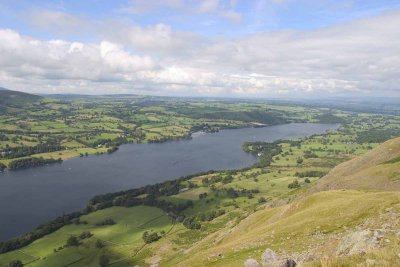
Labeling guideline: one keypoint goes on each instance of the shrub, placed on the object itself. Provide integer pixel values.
(85, 234)
(72, 241)
(294, 184)
(310, 174)
(202, 195)
(107, 221)
(262, 200)
(99, 244)
(191, 223)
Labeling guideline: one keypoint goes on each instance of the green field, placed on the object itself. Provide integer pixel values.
(121, 240)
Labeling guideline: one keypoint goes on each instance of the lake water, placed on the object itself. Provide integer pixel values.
(34, 196)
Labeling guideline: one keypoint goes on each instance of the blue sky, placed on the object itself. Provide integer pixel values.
(177, 47)
(255, 15)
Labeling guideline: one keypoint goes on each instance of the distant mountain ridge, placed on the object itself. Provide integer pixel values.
(9, 98)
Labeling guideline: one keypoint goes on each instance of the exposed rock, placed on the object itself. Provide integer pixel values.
(359, 242)
(269, 258)
(251, 263)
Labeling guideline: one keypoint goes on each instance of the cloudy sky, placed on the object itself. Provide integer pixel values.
(235, 48)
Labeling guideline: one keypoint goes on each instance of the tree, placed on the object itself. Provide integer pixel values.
(202, 195)
(99, 244)
(104, 260)
(72, 241)
(15, 263)
(299, 160)
(307, 181)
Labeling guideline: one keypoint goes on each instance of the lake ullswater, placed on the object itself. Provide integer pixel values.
(34, 196)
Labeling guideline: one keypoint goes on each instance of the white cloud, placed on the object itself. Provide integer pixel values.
(56, 59)
(360, 57)
(208, 6)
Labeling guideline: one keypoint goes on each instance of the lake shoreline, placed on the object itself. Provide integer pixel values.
(126, 150)
(62, 158)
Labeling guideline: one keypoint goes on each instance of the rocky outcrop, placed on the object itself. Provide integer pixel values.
(251, 263)
(269, 258)
(359, 242)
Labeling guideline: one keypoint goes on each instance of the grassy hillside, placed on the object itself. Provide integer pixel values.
(379, 169)
(312, 228)
(16, 99)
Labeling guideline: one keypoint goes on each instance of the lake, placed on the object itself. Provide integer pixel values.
(34, 196)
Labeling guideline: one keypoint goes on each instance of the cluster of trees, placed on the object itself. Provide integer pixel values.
(150, 237)
(130, 197)
(266, 151)
(31, 162)
(211, 215)
(194, 222)
(232, 193)
(17, 152)
(112, 145)
(293, 185)
(74, 241)
(215, 179)
(376, 135)
(310, 174)
(204, 127)
(191, 222)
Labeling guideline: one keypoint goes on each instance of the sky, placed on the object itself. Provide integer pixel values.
(216, 48)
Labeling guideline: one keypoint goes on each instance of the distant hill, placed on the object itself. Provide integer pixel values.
(379, 169)
(9, 98)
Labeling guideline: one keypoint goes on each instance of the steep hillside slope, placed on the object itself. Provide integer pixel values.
(378, 169)
(326, 224)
